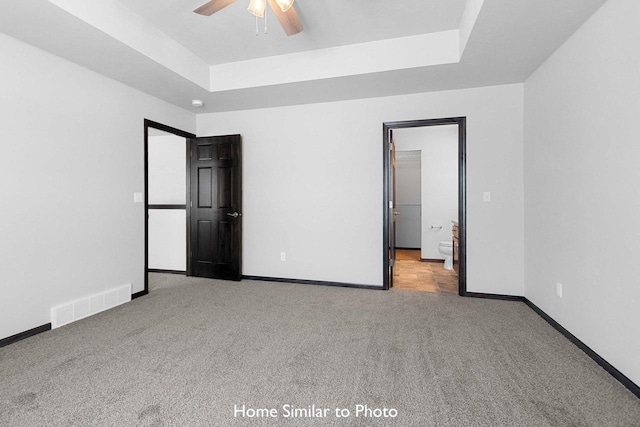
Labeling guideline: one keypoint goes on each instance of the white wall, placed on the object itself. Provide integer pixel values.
(581, 176)
(313, 184)
(439, 150)
(167, 156)
(167, 186)
(72, 157)
(168, 239)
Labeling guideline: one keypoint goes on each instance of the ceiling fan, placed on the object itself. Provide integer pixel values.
(283, 9)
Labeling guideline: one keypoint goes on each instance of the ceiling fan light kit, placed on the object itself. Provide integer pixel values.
(257, 7)
(282, 9)
(284, 5)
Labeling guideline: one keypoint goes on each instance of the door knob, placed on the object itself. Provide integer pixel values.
(234, 215)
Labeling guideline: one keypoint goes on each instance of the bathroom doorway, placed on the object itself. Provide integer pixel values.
(424, 205)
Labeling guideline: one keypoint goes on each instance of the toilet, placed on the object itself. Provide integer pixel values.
(446, 249)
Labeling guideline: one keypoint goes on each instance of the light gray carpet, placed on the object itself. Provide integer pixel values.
(193, 348)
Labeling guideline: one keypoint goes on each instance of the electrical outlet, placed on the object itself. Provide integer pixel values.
(559, 290)
(283, 256)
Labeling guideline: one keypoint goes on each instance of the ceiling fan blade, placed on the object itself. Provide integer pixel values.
(212, 7)
(289, 20)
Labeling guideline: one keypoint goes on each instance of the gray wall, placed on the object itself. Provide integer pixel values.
(581, 185)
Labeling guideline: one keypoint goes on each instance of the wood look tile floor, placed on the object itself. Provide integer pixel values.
(429, 276)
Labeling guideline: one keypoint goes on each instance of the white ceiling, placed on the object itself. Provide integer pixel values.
(229, 35)
(161, 47)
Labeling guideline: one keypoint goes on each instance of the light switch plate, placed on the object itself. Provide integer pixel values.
(486, 196)
(559, 289)
(137, 197)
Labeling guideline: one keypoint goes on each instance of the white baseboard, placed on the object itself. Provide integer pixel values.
(79, 309)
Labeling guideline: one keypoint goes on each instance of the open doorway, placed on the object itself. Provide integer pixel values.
(424, 205)
(166, 152)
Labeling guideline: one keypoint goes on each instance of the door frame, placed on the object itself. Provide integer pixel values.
(159, 126)
(462, 191)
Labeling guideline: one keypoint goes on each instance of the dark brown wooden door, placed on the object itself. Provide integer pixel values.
(215, 207)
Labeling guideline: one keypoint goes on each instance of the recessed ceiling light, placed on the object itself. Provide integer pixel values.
(197, 103)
